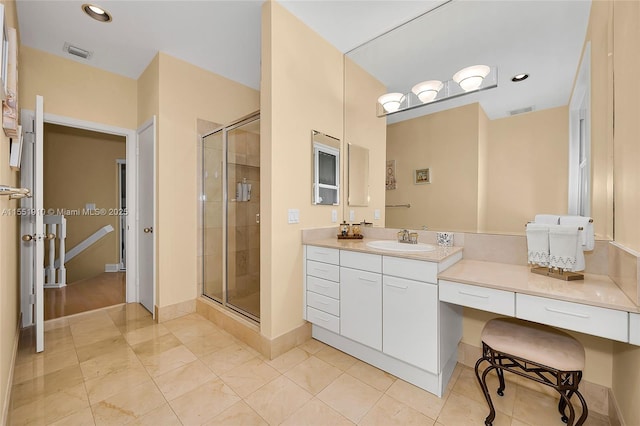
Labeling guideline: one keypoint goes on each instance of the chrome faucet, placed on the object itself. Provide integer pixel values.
(407, 237)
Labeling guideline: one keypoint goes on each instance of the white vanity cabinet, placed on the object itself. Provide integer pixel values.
(389, 313)
(410, 322)
(322, 288)
(361, 301)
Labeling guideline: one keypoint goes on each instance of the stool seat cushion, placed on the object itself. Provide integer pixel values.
(534, 342)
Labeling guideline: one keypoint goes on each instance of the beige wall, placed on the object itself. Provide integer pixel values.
(72, 89)
(86, 161)
(363, 128)
(626, 359)
(185, 93)
(526, 169)
(302, 77)
(447, 143)
(9, 246)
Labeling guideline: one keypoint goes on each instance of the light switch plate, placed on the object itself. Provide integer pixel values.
(352, 215)
(293, 216)
(334, 216)
(376, 214)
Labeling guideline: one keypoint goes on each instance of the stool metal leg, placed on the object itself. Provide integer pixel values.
(500, 372)
(482, 380)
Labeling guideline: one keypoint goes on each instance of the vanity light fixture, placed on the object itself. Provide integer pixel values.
(465, 82)
(427, 90)
(96, 12)
(519, 77)
(471, 78)
(391, 101)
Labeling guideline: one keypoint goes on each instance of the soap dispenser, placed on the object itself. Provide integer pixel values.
(344, 228)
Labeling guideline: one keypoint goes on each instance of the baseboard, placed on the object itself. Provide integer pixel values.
(112, 267)
(615, 415)
(249, 333)
(169, 312)
(7, 397)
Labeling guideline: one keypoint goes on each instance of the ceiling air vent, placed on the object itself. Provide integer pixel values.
(76, 51)
(521, 110)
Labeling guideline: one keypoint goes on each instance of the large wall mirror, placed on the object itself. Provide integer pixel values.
(499, 156)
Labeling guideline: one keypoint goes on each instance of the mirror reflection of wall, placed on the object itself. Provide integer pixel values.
(500, 156)
(326, 169)
(358, 172)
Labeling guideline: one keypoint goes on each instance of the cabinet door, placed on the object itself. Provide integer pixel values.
(410, 322)
(361, 307)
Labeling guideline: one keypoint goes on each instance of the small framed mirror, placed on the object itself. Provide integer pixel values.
(326, 169)
(358, 183)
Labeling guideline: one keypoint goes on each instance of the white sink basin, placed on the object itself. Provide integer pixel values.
(391, 245)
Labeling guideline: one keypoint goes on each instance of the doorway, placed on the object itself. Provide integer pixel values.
(231, 216)
(81, 203)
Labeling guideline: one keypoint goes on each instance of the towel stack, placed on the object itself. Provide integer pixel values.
(557, 242)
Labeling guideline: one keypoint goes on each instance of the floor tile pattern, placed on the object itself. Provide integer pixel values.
(116, 366)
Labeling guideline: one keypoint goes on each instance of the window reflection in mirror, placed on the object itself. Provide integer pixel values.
(326, 169)
(358, 173)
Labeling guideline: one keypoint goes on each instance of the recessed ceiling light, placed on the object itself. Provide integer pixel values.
(519, 77)
(96, 12)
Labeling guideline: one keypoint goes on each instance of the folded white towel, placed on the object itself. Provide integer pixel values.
(549, 219)
(587, 236)
(538, 244)
(565, 248)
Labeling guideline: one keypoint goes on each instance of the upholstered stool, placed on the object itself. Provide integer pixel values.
(536, 352)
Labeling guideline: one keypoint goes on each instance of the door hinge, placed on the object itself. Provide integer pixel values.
(32, 299)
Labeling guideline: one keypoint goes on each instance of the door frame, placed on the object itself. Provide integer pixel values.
(132, 186)
(120, 163)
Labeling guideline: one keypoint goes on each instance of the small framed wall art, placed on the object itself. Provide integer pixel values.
(421, 176)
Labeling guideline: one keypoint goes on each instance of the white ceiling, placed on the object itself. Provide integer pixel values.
(224, 36)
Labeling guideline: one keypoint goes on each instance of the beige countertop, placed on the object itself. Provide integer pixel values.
(438, 255)
(595, 290)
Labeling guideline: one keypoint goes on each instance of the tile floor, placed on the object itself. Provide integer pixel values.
(116, 366)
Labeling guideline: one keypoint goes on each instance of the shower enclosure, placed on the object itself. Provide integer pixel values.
(231, 216)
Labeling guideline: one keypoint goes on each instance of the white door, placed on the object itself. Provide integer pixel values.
(146, 215)
(31, 224)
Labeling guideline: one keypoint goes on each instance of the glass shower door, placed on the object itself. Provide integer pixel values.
(231, 216)
(243, 217)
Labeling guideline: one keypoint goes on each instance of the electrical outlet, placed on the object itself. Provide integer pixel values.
(352, 215)
(376, 214)
(334, 216)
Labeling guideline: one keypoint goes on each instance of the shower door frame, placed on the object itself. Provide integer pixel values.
(225, 197)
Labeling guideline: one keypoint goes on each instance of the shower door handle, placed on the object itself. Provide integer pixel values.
(257, 217)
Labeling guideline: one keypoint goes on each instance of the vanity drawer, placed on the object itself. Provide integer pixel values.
(323, 254)
(594, 320)
(323, 270)
(418, 270)
(485, 299)
(323, 303)
(324, 320)
(362, 261)
(634, 329)
(324, 287)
